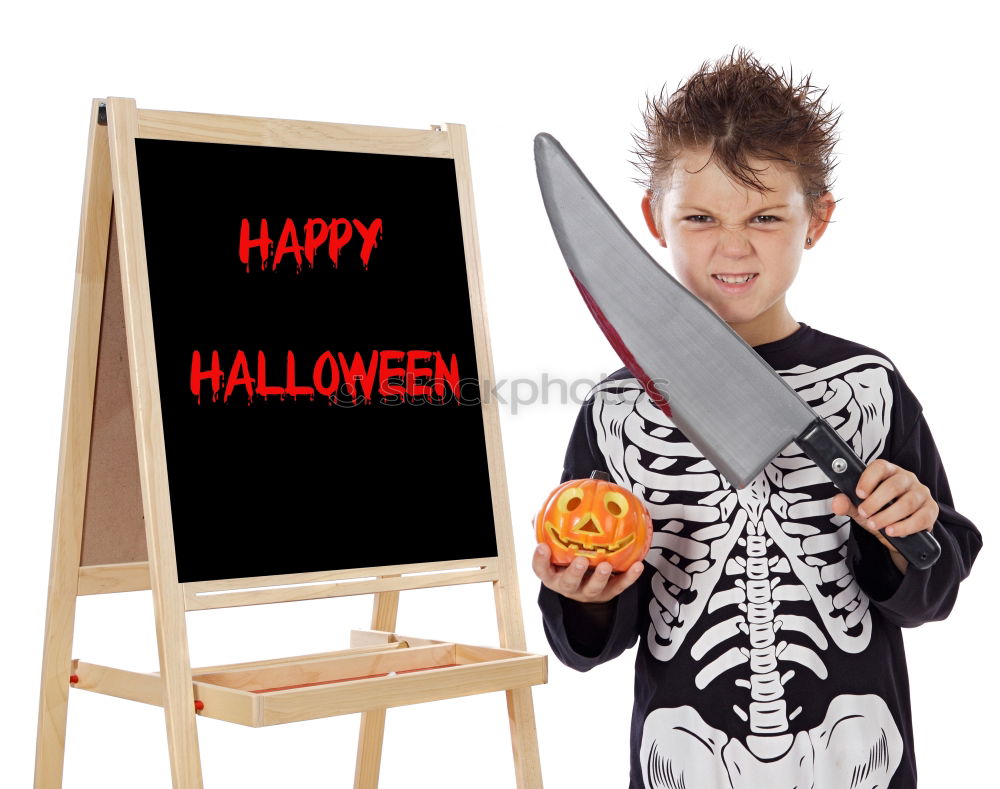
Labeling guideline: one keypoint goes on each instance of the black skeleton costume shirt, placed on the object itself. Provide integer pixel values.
(769, 645)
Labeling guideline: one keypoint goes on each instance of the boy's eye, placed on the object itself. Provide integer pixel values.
(762, 219)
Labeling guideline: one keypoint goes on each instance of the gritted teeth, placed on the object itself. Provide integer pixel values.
(734, 279)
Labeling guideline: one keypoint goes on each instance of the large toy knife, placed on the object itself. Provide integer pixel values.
(724, 397)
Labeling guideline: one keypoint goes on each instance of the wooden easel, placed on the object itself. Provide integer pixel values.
(113, 527)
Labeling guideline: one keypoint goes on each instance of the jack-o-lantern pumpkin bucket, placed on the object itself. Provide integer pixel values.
(596, 519)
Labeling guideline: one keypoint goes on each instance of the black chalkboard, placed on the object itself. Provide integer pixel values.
(276, 473)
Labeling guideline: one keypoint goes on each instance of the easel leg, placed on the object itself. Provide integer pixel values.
(53, 707)
(524, 739)
(369, 759)
(67, 541)
(168, 599)
(520, 708)
(178, 697)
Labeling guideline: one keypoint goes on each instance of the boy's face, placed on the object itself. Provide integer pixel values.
(714, 226)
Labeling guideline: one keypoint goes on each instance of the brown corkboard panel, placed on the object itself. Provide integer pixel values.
(113, 525)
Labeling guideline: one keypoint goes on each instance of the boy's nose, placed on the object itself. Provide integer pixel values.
(734, 243)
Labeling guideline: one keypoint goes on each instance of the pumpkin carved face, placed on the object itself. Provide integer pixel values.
(595, 519)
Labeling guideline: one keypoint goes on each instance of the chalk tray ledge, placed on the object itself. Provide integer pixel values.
(378, 671)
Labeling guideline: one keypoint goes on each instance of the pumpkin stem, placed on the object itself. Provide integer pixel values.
(600, 475)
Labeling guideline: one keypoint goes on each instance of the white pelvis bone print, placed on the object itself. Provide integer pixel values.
(858, 744)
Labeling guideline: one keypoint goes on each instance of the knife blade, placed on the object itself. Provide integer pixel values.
(723, 396)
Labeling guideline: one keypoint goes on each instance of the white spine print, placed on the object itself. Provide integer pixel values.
(767, 713)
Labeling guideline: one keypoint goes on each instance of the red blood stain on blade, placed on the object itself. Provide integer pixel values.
(622, 350)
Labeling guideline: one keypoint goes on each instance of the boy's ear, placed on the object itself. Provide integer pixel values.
(821, 218)
(647, 212)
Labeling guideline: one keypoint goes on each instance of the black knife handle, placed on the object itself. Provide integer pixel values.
(837, 460)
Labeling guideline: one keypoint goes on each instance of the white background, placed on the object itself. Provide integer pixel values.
(909, 268)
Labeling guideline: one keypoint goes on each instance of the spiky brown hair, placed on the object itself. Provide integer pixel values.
(740, 109)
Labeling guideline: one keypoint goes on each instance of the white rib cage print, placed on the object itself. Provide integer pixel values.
(748, 553)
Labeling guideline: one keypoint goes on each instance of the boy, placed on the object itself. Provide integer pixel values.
(768, 618)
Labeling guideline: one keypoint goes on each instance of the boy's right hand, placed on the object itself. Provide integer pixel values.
(577, 582)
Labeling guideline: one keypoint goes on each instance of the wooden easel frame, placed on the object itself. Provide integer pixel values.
(111, 230)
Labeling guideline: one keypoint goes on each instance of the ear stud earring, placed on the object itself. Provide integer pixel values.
(808, 241)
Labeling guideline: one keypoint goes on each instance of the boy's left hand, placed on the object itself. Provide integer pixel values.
(881, 482)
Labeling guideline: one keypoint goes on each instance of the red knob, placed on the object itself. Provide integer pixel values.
(73, 679)
(199, 705)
